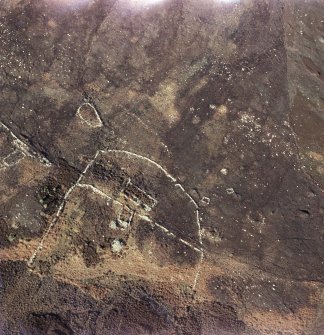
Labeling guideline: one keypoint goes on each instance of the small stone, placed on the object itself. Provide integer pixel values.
(205, 200)
(11, 237)
(113, 225)
(117, 246)
(196, 119)
(230, 190)
(123, 224)
(224, 171)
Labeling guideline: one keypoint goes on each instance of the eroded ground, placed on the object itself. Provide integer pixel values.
(161, 167)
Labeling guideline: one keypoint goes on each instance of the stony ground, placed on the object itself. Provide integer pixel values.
(161, 167)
